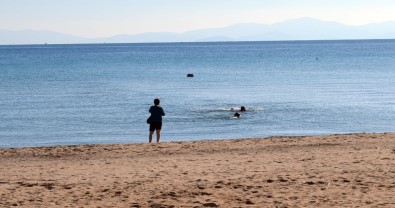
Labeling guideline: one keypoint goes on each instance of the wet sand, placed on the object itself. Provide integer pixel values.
(354, 170)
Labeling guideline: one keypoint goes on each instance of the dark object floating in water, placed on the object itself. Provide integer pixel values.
(237, 115)
(190, 75)
(242, 108)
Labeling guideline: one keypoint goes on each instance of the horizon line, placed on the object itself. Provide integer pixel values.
(189, 42)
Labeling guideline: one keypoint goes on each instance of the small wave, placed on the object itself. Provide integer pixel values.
(238, 108)
(214, 113)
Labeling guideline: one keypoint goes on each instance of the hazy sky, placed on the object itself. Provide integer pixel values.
(101, 18)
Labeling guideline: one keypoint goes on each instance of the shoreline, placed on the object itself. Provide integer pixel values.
(186, 141)
(341, 170)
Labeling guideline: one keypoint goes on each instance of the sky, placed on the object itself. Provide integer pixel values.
(104, 18)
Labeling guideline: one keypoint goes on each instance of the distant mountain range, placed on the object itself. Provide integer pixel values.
(295, 29)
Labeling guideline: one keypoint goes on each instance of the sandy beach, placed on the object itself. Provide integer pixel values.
(353, 170)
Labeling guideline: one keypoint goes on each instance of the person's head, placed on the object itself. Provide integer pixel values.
(156, 101)
(242, 108)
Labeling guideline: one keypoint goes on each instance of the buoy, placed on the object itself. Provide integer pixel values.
(189, 75)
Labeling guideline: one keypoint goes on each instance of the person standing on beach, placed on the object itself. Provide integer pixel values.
(156, 120)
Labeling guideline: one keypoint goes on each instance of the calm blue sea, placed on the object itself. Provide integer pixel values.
(101, 93)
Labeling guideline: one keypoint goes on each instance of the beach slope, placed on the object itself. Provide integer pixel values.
(353, 170)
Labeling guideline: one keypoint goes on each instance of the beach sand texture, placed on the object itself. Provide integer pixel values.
(354, 170)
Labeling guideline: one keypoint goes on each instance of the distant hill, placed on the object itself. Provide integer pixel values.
(295, 29)
(37, 37)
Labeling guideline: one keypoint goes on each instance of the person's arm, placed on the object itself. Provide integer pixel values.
(163, 112)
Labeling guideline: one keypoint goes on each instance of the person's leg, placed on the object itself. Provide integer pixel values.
(150, 136)
(157, 135)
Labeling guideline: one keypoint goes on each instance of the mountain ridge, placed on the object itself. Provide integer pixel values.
(293, 29)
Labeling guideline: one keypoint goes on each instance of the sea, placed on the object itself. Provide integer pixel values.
(100, 93)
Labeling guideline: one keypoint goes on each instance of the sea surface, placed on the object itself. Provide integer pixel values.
(101, 93)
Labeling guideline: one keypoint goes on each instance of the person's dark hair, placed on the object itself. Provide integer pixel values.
(156, 101)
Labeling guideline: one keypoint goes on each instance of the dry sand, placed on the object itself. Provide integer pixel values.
(356, 170)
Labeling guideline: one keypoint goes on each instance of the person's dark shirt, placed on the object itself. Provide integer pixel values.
(156, 113)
